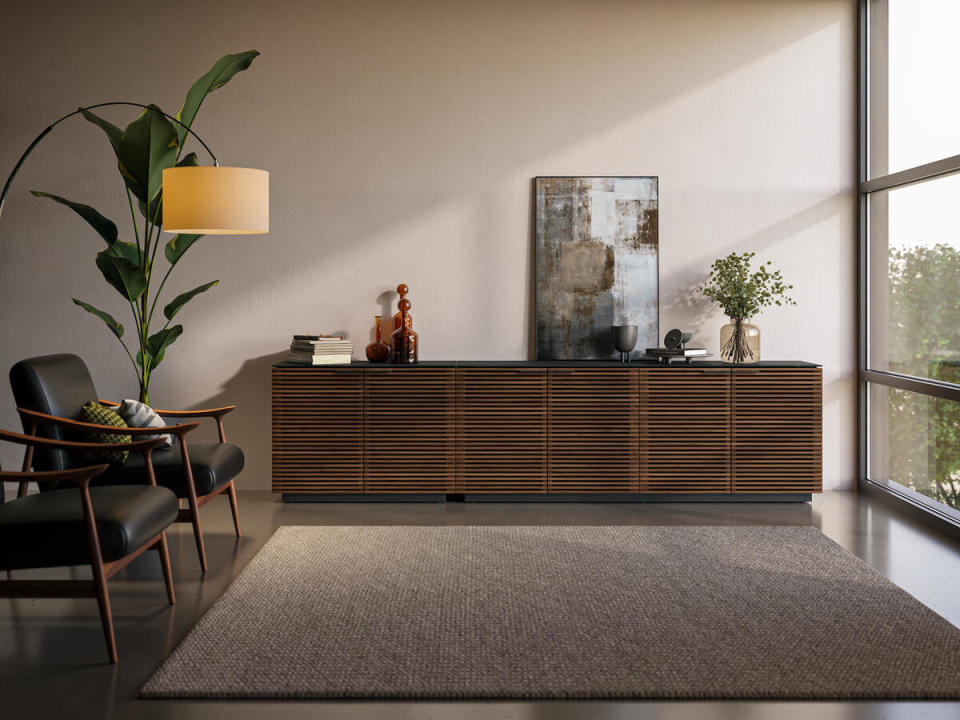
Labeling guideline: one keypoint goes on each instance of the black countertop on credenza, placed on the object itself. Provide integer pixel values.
(559, 364)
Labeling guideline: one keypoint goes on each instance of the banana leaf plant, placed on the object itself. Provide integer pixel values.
(143, 149)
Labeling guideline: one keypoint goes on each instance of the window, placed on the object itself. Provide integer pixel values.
(915, 443)
(910, 251)
(915, 298)
(914, 58)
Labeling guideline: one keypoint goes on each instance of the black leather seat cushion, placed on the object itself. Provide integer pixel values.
(214, 464)
(47, 529)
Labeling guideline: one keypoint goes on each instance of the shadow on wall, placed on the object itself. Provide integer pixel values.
(698, 311)
(387, 301)
(680, 293)
(249, 426)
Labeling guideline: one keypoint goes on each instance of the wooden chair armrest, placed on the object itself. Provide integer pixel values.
(208, 413)
(43, 418)
(42, 442)
(215, 413)
(24, 477)
(80, 476)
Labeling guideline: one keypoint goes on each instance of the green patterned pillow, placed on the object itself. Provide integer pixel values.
(94, 412)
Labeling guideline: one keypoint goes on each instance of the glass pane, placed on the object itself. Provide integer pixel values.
(915, 280)
(915, 442)
(914, 57)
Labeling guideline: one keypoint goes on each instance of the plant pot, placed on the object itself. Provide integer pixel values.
(739, 342)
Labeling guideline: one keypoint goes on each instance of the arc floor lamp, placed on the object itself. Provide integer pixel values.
(201, 199)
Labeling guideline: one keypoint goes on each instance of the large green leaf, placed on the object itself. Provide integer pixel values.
(104, 226)
(116, 327)
(189, 159)
(179, 301)
(177, 246)
(130, 252)
(147, 147)
(218, 76)
(125, 276)
(155, 213)
(113, 132)
(159, 342)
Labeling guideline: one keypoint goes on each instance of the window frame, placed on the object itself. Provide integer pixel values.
(866, 186)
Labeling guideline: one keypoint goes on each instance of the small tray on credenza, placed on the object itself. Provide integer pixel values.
(668, 358)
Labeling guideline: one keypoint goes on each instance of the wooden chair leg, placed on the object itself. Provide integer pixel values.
(99, 578)
(192, 502)
(197, 531)
(164, 553)
(106, 616)
(232, 494)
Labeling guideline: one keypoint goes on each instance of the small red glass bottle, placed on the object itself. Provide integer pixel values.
(378, 351)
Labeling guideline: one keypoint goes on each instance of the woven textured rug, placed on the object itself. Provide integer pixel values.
(562, 612)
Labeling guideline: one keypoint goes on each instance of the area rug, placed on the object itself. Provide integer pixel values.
(562, 612)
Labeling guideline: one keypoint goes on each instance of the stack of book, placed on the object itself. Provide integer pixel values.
(320, 350)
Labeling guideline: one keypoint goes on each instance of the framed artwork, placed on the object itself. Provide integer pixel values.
(597, 264)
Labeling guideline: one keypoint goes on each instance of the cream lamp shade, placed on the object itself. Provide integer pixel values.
(206, 200)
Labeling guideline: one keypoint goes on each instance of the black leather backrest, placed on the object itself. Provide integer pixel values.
(56, 385)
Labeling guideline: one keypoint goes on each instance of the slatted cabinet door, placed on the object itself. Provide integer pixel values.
(592, 430)
(317, 430)
(409, 430)
(777, 430)
(685, 431)
(502, 431)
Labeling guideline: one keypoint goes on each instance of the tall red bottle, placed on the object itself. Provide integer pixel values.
(404, 342)
(402, 291)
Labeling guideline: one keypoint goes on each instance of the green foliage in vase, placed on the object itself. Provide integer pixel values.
(742, 293)
(143, 150)
(923, 435)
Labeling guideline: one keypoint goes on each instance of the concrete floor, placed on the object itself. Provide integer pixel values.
(52, 657)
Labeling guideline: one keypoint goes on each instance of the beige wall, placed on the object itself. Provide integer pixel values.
(402, 138)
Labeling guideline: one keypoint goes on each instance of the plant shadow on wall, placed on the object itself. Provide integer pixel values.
(681, 291)
(249, 426)
(144, 149)
(697, 311)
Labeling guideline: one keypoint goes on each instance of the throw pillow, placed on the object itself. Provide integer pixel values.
(94, 412)
(138, 415)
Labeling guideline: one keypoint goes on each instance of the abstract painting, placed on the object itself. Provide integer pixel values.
(597, 252)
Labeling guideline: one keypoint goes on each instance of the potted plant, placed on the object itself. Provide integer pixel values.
(147, 146)
(742, 294)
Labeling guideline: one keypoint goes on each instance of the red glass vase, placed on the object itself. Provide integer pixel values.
(378, 351)
(404, 342)
(402, 291)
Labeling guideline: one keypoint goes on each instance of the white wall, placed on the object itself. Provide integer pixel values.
(401, 138)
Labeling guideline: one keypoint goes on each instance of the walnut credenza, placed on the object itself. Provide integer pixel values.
(547, 431)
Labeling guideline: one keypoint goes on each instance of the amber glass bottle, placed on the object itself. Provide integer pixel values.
(378, 351)
(405, 344)
(402, 291)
